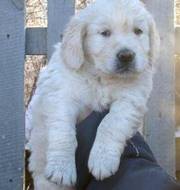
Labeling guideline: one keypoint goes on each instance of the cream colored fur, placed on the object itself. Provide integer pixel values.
(81, 77)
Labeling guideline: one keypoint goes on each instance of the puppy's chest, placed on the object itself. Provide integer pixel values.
(100, 95)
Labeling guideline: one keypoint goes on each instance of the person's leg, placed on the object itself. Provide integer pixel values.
(136, 174)
(138, 169)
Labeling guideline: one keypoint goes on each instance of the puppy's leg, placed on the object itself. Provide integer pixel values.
(41, 183)
(37, 161)
(60, 121)
(119, 125)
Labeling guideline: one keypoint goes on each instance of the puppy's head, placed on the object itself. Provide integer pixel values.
(116, 37)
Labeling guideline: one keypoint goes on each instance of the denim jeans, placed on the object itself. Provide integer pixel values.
(138, 169)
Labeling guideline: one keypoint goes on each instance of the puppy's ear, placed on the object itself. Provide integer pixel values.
(154, 42)
(72, 44)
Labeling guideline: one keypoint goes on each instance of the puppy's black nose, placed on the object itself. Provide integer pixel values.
(125, 57)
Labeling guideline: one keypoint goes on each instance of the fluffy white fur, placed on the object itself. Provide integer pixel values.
(81, 77)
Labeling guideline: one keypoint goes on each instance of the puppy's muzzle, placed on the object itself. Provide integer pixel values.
(125, 60)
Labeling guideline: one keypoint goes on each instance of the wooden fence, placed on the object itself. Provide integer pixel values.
(16, 41)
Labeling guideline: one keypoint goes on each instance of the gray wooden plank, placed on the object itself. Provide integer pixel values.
(59, 13)
(36, 41)
(12, 40)
(177, 42)
(160, 120)
(19, 4)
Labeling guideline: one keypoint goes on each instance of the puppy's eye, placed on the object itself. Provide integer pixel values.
(106, 33)
(138, 31)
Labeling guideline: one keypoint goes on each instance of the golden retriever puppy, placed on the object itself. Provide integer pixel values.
(106, 61)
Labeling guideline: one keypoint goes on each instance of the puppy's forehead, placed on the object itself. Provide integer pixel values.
(124, 3)
(119, 16)
(120, 11)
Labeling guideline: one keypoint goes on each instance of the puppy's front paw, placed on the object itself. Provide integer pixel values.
(104, 160)
(61, 171)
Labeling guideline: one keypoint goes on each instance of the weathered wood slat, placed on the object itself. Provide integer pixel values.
(36, 41)
(160, 120)
(12, 38)
(59, 13)
(19, 4)
(177, 42)
(178, 151)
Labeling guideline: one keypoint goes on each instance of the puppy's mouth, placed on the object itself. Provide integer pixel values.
(125, 70)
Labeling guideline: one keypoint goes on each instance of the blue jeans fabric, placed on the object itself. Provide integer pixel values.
(138, 170)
